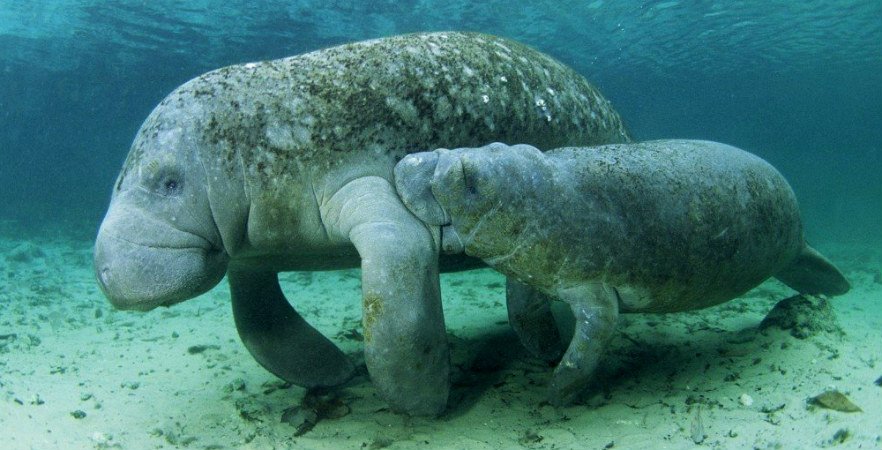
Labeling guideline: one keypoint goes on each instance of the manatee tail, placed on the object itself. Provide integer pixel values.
(812, 273)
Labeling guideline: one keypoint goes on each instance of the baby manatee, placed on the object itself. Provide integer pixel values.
(660, 226)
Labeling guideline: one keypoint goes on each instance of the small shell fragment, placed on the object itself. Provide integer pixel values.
(834, 400)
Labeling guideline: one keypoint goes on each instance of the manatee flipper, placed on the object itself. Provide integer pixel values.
(812, 273)
(596, 309)
(279, 338)
(529, 313)
(405, 342)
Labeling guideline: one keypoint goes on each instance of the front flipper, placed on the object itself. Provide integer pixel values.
(279, 338)
(596, 308)
(529, 314)
(405, 343)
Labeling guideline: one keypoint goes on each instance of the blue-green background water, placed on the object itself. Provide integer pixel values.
(799, 83)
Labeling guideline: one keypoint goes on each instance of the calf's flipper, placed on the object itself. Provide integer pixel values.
(596, 309)
(529, 313)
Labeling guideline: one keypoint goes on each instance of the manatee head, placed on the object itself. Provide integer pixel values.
(480, 196)
(159, 243)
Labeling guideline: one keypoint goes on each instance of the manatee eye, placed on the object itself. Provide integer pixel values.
(171, 185)
(167, 182)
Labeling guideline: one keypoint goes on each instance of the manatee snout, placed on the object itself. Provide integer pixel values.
(414, 179)
(429, 182)
(465, 183)
(454, 176)
(138, 272)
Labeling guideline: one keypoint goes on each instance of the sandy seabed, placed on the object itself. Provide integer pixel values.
(76, 374)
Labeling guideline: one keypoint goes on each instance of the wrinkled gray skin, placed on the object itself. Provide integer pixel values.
(651, 227)
(287, 165)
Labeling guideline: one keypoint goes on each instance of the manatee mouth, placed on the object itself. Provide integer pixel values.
(173, 238)
(145, 275)
(190, 241)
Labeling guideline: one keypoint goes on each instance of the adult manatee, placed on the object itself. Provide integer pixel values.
(659, 226)
(284, 165)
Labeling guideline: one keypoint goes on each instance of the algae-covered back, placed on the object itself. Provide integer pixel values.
(390, 96)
